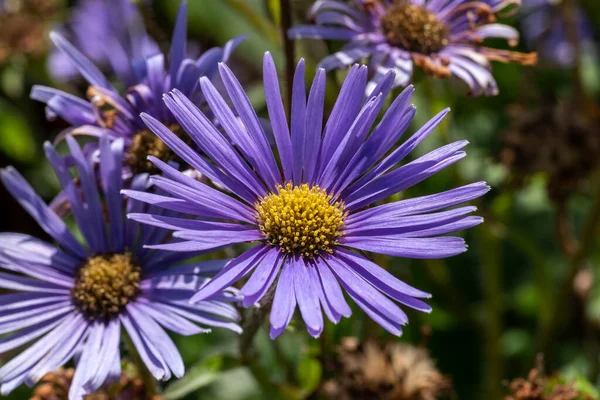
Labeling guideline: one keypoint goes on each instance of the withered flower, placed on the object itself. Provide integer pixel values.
(395, 371)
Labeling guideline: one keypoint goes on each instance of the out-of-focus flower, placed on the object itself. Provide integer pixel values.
(24, 25)
(110, 112)
(538, 387)
(396, 371)
(555, 139)
(444, 38)
(56, 385)
(309, 211)
(554, 31)
(75, 298)
(111, 34)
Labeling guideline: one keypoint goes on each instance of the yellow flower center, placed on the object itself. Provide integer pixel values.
(145, 143)
(105, 284)
(301, 219)
(414, 28)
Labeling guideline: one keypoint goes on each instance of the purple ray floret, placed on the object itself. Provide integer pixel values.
(310, 206)
(51, 301)
(443, 38)
(113, 110)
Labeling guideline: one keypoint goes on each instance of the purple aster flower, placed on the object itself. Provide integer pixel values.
(312, 209)
(72, 299)
(545, 29)
(109, 112)
(442, 37)
(110, 33)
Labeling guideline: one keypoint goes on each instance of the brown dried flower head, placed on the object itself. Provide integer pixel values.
(395, 371)
(55, 386)
(538, 387)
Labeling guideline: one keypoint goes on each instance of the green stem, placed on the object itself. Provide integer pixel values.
(577, 261)
(491, 262)
(261, 24)
(252, 322)
(144, 374)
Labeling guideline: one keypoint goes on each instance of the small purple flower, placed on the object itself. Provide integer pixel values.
(441, 37)
(73, 299)
(545, 29)
(312, 211)
(109, 112)
(111, 34)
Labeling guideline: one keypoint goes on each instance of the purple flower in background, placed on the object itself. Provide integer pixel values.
(75, 298)
(109, 112)
(441, 37)
(111, 34)
(545, 29)
(309, 211)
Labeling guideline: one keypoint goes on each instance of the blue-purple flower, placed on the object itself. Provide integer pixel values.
(110, 112)
(444, 38)
(313, 209)
(71, 300)
(545, 29)
(111, 34)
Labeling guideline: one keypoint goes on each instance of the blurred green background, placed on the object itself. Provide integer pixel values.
(517, 292)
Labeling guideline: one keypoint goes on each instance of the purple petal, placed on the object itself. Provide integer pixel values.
(298, 121)
(284, 302)
(231, 273)
(154, 334)
(277, 115)
(262, 278)
(268, 171)
(178, 42)
(332, 291)
(421, 248)
(43, 215)
(307, 297)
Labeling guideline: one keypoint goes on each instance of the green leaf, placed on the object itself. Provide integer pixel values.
(200, 375)
(310, 372)
(275, 11)
(585, 387)
(16, 139)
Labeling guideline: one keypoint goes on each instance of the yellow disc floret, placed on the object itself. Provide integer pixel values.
(301, 219)
(105, 284)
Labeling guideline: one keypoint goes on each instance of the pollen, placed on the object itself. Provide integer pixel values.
(301, 219)
(105, 284)
(414, 28)
(145, 143)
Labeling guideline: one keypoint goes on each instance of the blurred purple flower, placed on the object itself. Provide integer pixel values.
(441, 37)
(309, 214)
(108, 111)
(75, 298)
(545, 29)
(111, 34)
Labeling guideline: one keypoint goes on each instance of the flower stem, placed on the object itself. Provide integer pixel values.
(252, 322)
(288, 45)
(577, 261)
(491, 262)
(142, 370)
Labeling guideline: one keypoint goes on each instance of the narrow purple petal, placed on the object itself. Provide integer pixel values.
(232, 272)
(284, 302)
(307, 297)
(269, 171)
(298, 121)
(277, 115)
(178, 43)
(43, 215)
(262, 278)
(421, 248)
